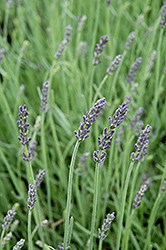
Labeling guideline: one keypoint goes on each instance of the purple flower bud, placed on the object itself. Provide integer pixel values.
(139, 196)
(106, 225)
(62, 247)
(108, 2)
(134, 68)
(44, 97)
(19, 244)
(130, 39)
(31, 197)
(163, 187)
(99, 49)
(163, 15)
(7, 238)
(64, 42)
(39, 178)
(8, 218)
(142, 145)
(114, 65)
(88, 120)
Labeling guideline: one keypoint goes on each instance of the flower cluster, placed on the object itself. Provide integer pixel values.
(81, 165)
(37, 123)
(106, 225)
(62, 247)
(8, 218)
(31, 197)
(108, 2)
(99, 49)
(7, 238)
(113, 66)
(19, 244)
(142, 145)
(114, 122)
(130, 39)
(64, 42)
(151, 60)
(2, 52)
(23, 125)
(81, 22)
(88, 119)
(44, 97)
(39, 178)
(31, 154)
(163, 187)
(146, 180)
(134, 68)
(118, 139)
(136, 123)
(163, 15)
(139, 196)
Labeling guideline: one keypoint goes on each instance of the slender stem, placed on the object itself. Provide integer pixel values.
(123, 200)
(100, 244)
(69, 193)
(2, 234)
(96, 185)
(30, 247)
(100, 86)
(128, 224)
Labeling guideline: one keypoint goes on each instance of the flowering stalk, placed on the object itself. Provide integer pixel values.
(134, 68)
(81, 135)
(19, 244)
(130, 39)
(99, 49)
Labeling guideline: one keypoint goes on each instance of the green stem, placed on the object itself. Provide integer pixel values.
(69, 193)
(123, 200)
(127, 231)
(100, 244)
(128, 224)
(2, 234)
(100, 86)
(96, 185)
(30, 247)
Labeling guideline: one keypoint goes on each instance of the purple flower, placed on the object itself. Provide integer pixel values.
(151, 60)
(23, 125)
(106, 225)
(64, 42)
(142, 145)
(8, 218)
(99, 49)
(44, 97)
(163, 187)
(7, 238)
(31, 197)
(62, 247)
(130, 39)
(82, 161)
(114, 65)
(136, 123)
(19, 244)
(134, 68)
(88, 119)
(114, 122)
(163, 15)
(108, 2)
(2, 52)
(139, 196)
(39, 178)
(31, 153)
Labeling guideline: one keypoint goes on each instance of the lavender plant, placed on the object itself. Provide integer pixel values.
(106, 226)
(134, 68)
(65, 42)
(130, 39)
(136, 123)
(139, 196)
(19, 244)
(114, 65)
(44, 102)
(163, 15)
(99, 49)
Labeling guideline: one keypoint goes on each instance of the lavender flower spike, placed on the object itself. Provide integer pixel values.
(163, 187)
(19, 244)
(39, 178)
(31, 197)
(106, 225)
(7, 238)
(136, 123)
(88, 119)
(130, 39)
(139, 196)
(64, 42)
(114, 122)
(99, 49)
(134, 68)
(8, 218)
(163, 15)
(23, 125)
(62, 247)
(142, 145)
(114, 65)
(44, 98)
